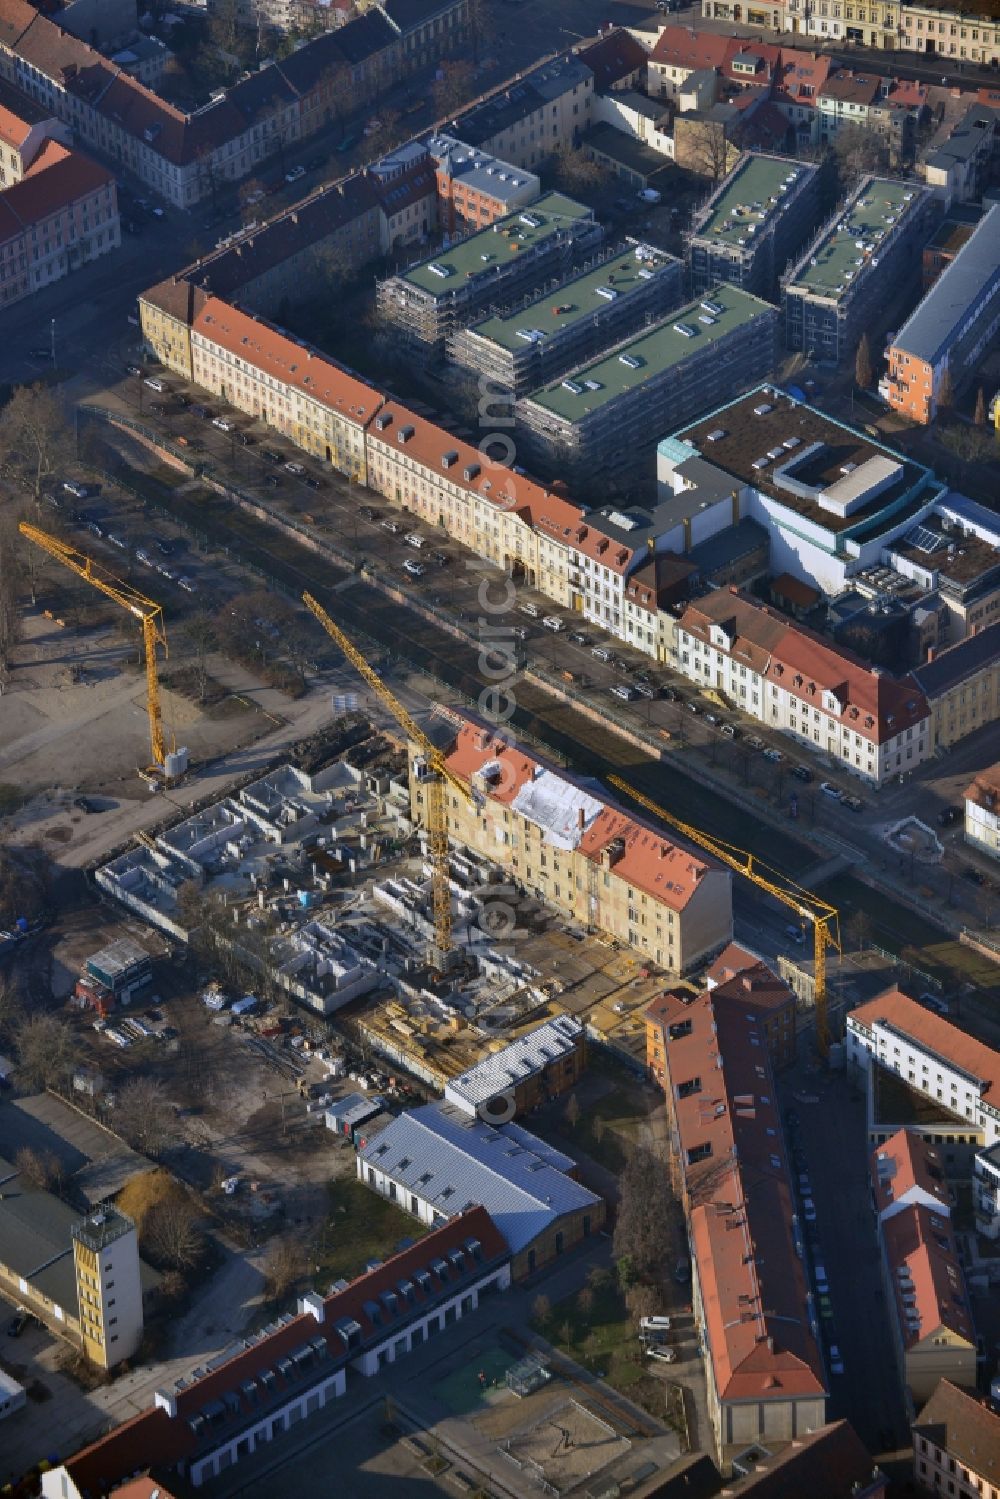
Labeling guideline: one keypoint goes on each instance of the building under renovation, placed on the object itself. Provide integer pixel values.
(517, 254)
(533, 343)
(753, 223)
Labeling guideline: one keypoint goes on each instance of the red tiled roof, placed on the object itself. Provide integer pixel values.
(280, 356)
(614, 57)
(830, 1463)
(869, 703)
(935, 1296)
(906, 1163)
(154, 1438)
(851, 87)
(963, 1426)
(756, 989)
(56, 179)
(427, 445)
(670, 872)
(13, 130)
(750, 1278)
(934, 1033)
(683, 47)
(985, 789)
(731, 960)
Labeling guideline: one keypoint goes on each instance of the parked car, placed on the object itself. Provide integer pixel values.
(292, 467)
(623, 691)
(154, 383)
(801, 773)
(296, 174)
(808, 1210)
(223, 423)
(682, 1270)
(415, 569)
(77, 489)
(829, 789)
(579, 638)
(311, 482)
(368, 513)
(271, 455)
(441, 558)
(655, 1324)
(712, 718)
(82, 804)
(836, 1362)
(662, 1355)
(553, 622)
(647, 689)
(774, 755)
(755, 742)
(730, 730)
(692, 706)
(671, 694)
(602, 652)
(141, 555)
(854, 803)
(17, 1323)
(392, 526)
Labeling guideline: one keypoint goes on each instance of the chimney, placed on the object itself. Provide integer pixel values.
(581, 818)
(312, 1303)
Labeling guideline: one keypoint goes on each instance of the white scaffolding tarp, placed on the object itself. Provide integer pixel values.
(555, 806)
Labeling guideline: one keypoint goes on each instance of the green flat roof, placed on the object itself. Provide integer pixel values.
(750, 186)
(577, 298)
(493, 246)
(659, 348)
(836, 254)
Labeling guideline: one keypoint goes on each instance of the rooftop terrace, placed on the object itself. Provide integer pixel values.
(651, 353)
(847, 247)
(491, 249)
(741, 437)
(555, 310)
(750, 197)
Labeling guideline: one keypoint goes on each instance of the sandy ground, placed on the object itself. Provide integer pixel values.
(60, 739)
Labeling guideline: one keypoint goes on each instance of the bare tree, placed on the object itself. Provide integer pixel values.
(40, 1169)
(199, 634)
(250, 194)
(11, 1006)
(702, 145)
(34, 434)
(863, 363)
(643, 1226)
(45, 1052)
(172, 1234)
(541, 1309)
(10, 579)
(859, 926)
(454, 87)
(642, 1301)
(577, 172)
(946, 391)
(145, 1116)
(585, 1302)
(858, 150)
(572, 1111)
(979, 416)
(284, 1266)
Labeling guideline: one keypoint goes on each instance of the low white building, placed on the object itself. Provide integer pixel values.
(982, 812)
(13, 1396)
(986, 1192)
(932, 1056)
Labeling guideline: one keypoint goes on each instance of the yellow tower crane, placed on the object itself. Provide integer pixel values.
(147, 611)
(440, 776)
(824, 917)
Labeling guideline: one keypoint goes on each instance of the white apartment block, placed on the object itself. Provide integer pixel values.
(792, 681)
(934, 1057)
(982, 812)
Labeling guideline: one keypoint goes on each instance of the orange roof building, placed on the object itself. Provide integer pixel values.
(982, 812)
(934, 1057)
(263, 371)
(792, 679)
(252, 1394)
(764, 1369)
(957, 1431)
(61, 214)
(925, 1290)
(561, 838)
(908, 1172)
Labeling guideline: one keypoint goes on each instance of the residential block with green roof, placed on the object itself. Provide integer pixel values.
(529, 345)
(753, 223)
(605, 417)
(433, 297)
(857, 265)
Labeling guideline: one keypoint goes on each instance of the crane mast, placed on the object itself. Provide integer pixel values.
(147, 611)
(439, 777)
(824, 917)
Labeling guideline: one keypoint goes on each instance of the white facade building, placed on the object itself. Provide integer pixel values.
(933, 1057)
(982, 812)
